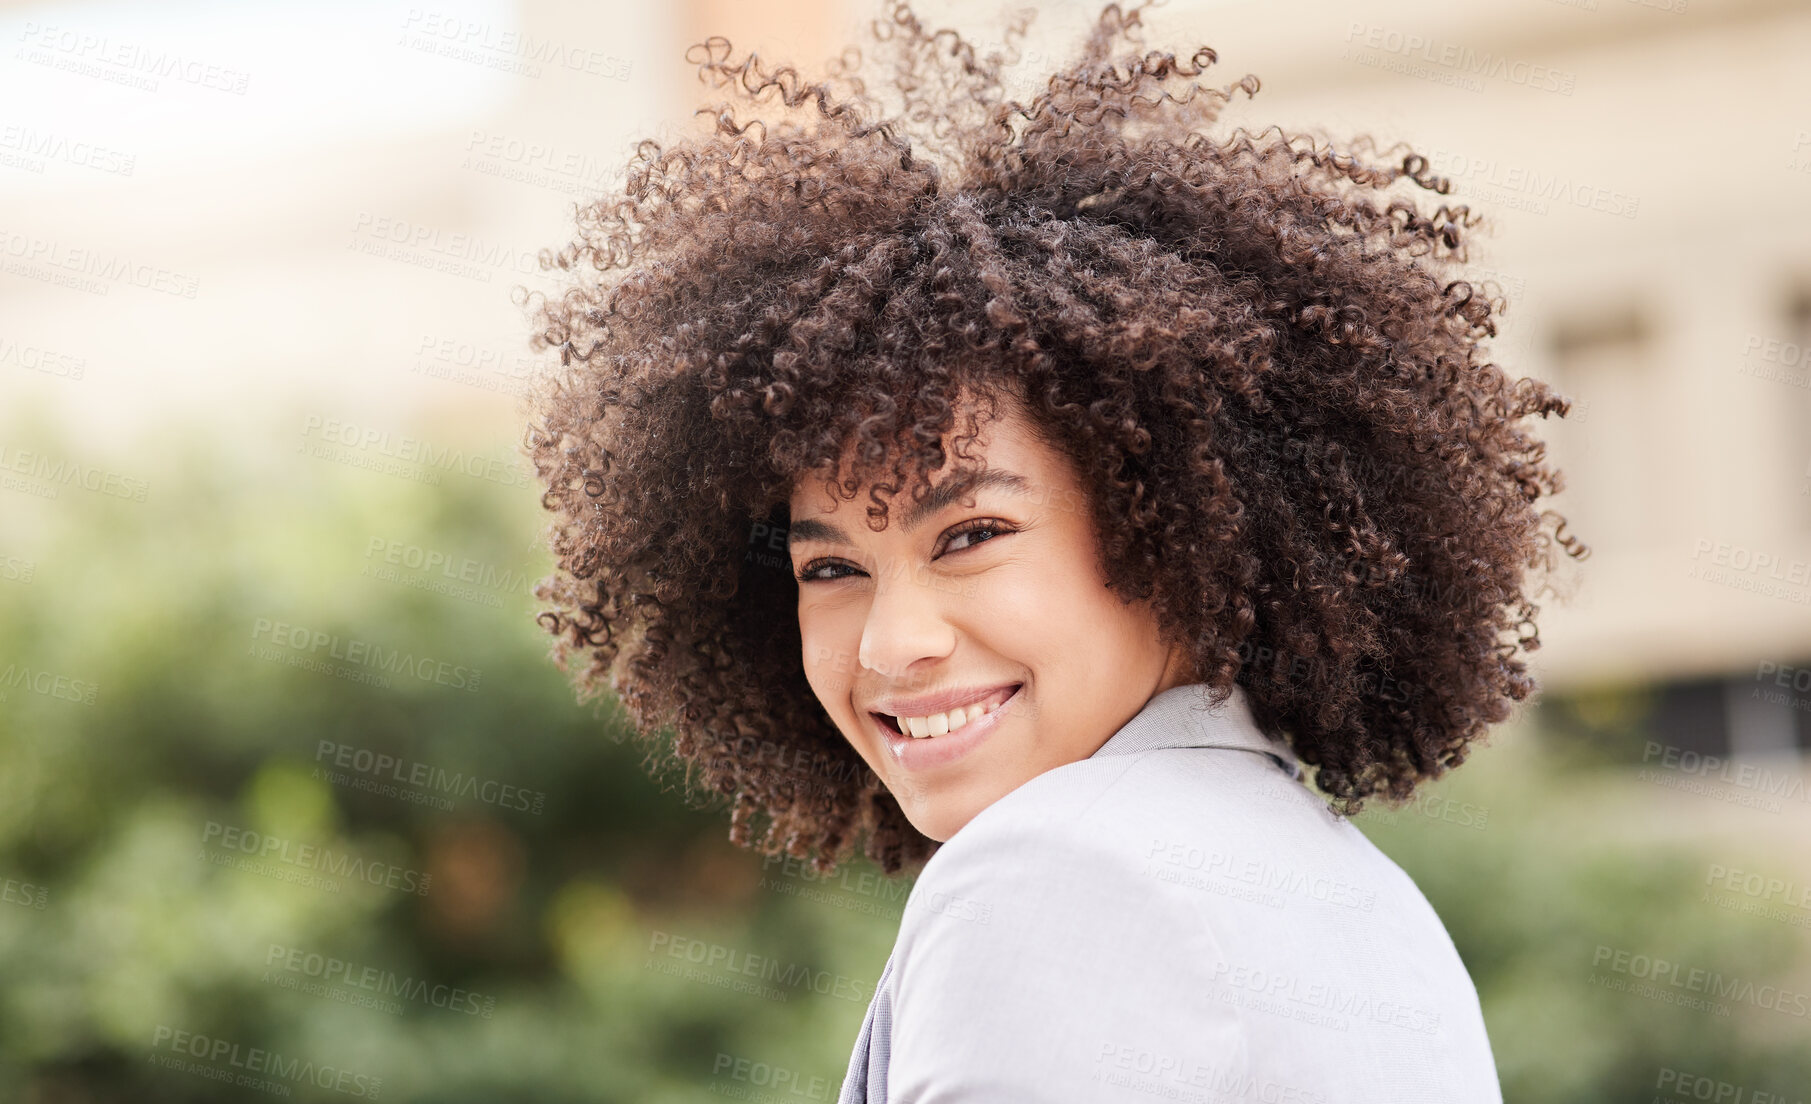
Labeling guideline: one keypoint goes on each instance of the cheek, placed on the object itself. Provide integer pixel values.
(1055, 611)
(1043, 594)
(828, 656)
(1025, 618)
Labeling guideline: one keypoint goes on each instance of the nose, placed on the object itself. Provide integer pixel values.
(906, 623)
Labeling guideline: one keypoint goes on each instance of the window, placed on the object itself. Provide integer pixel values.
(1603, 446)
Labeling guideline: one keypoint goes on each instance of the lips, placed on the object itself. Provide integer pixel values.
(926, 705)
(920, 754)
(931, 725)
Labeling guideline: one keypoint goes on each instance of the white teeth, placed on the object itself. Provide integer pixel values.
(941, 724)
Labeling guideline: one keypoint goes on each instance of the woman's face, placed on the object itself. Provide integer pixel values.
(1000, 605)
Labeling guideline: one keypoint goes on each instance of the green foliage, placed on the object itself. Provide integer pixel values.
(546, 918)
(1542, 871)
(535, 965)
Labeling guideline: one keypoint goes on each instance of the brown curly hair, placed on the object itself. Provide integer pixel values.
(1270, 372)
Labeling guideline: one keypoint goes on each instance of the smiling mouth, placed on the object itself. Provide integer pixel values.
(954, 721)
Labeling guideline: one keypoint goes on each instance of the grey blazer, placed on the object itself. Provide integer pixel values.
(1170, 919)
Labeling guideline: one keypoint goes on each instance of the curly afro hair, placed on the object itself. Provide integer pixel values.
(1268, 369)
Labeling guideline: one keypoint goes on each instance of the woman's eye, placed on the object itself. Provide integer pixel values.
(809, 574)
(814, 572)
(992, 531)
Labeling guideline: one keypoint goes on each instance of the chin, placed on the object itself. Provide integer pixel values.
(935, 828)
(939, 820)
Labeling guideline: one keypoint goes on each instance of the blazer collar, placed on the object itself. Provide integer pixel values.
(1183, 717)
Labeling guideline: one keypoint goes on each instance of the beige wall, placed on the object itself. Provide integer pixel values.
(1690, 445)
(1647, 166)
(1645, 161)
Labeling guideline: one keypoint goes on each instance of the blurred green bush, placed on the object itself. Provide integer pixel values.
(146, 952)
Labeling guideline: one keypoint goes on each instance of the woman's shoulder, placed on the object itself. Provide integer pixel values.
(1033, 955)
(1103, 808)
(1195, 903)
(1208, 833)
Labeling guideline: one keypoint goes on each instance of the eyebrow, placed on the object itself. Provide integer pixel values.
(939, 497)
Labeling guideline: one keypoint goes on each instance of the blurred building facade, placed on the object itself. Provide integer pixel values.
(1645, 163)
(1657, 270)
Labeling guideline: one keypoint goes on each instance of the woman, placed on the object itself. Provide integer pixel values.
(1208, 475)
